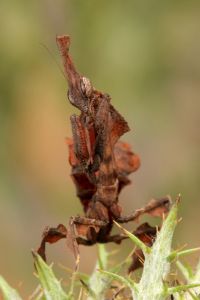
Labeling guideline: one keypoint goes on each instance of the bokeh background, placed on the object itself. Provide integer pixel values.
(146, 55)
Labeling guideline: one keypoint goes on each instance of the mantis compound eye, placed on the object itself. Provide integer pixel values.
(70, 97)
(86, 86)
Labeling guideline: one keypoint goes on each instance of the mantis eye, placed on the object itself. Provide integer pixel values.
(86, 86)
(70, 97)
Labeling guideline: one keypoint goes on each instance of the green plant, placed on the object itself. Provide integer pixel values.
(109, 283)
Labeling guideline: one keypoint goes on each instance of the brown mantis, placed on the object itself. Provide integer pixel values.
(100, 165)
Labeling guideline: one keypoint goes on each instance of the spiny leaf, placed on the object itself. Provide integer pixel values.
(156, 266)
(180, 288)
(191, 278)
(196, 280)
(7, 291)
(176, 254)
(185, 270)
(125, 280)
(50, 284)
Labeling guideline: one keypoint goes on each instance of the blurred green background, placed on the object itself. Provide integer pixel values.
(146, 55)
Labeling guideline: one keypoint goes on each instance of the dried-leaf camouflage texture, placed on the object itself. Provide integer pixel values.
(100, 165)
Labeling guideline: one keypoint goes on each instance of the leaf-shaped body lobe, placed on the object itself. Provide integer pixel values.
(118, 125)
(126, 160)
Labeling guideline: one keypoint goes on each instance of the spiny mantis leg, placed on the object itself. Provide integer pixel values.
(51, 235)
(155, 207)
(92, 235)
(88, 221)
